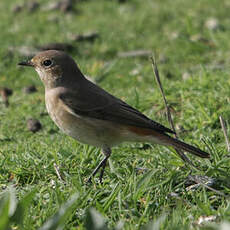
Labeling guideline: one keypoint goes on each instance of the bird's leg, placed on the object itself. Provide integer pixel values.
(107, 153)
(102, 164)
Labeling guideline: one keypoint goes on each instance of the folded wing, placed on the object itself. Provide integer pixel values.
(96, 103)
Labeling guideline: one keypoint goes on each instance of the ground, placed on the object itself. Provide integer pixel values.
(142, 183)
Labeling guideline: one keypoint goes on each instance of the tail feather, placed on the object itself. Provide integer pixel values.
(186, 147)
(164, 139)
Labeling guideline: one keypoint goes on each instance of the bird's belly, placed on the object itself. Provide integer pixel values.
(96, 132)
(90, 131)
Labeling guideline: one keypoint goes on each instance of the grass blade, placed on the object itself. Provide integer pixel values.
(4, 211)
(112, 197)
(94, 221)
(145, 179)
(57, 220)
(22, 207)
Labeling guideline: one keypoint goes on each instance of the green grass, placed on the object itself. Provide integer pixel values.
(136, 198)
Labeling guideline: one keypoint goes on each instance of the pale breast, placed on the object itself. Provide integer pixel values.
(51, 99)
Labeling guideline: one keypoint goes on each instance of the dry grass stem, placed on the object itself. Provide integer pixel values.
(199, 181)
(157, 77)
(225, 132)
(57, 172)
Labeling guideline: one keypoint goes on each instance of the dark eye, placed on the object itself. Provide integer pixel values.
(47, 63)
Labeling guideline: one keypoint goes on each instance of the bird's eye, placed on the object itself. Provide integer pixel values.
(47, 63)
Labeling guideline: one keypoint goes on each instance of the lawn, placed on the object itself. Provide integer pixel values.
(145, 186)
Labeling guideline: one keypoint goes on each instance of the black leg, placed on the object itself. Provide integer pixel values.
(102, 164)
(103, 170)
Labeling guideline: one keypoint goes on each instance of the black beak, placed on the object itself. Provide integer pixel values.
(26, 63)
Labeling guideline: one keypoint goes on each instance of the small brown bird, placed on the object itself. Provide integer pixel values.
(91, 115)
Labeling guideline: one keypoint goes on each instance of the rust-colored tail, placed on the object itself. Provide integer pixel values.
(165, 139)
(186, 147)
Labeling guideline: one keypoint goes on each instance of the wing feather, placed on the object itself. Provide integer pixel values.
(104, 106)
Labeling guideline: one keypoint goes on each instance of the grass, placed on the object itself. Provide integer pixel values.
(129, 195)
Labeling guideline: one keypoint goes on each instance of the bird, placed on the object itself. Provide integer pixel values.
(91, 115)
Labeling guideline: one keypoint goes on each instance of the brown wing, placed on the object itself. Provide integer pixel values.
(96, 103)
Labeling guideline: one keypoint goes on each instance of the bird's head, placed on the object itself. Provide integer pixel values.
(55, 68)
